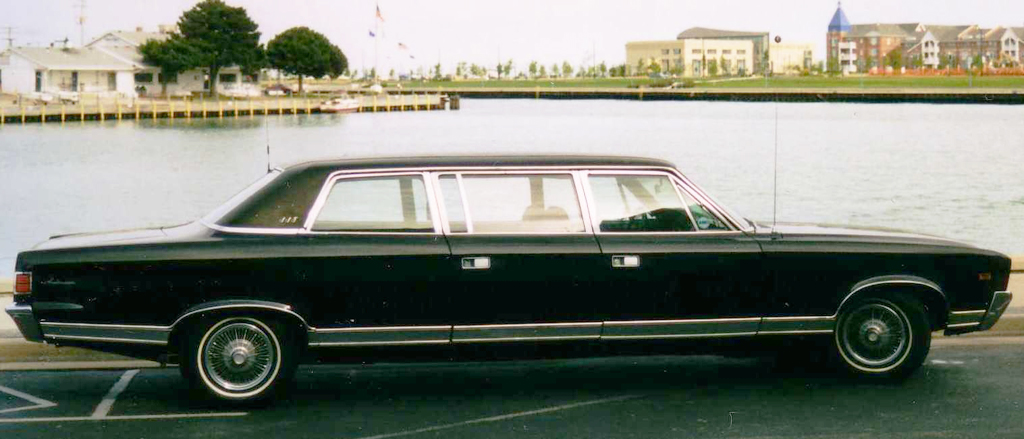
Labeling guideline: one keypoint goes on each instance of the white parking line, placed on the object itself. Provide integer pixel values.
(503, 417)
(108, 401)
(39, 402)
(124, 418)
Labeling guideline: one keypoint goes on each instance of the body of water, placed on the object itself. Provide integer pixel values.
(950, 170)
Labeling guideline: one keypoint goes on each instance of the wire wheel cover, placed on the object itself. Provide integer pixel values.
(239, 356)
(875, 335)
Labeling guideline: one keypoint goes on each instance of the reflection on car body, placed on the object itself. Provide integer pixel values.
(417, 258)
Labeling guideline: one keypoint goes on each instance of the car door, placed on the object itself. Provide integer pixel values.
(381, 263)
(673, 267)
(525, 256)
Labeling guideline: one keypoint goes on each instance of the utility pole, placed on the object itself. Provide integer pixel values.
(81, 23)
(10, 38)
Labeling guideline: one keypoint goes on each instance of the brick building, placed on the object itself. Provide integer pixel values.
(864, 47)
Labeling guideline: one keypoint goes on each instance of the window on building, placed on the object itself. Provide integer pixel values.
(380, 204)
(677, 51)
(725, 65)
(696, 67)
(741, 52)
(39, 81)
(874, 52)
(111, 81)
(664, 51)
(227, 77)
(664, 65)
(695, 51)
(171, 79)
(143, 77)
(712, 51)
(874, 41)
(726, 52)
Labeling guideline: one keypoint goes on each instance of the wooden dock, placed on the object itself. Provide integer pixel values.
(115, 109)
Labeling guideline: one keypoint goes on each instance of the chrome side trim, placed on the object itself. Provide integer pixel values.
(961, 318)
(280, 308)
(680, 328)
(106, 339)
(797, 325)
(380, 336)
(251, 230)
(526, 332)
(888, 280)
(26, 321)
(963, 325)
(670, 336)
(100, 332)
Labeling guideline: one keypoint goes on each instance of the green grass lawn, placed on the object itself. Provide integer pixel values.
(776, 82)
(875, 82)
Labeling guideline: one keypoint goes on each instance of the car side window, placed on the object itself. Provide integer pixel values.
(516, 203)
(705, 220)
(376, 204)
(638, 203)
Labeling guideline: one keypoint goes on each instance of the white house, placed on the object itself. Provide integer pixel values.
(110, 65)
(124, 45)
(65, 72)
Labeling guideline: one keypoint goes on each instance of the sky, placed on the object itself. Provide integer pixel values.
(482, 32)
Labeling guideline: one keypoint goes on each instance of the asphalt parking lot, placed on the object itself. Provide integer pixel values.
(967, 388)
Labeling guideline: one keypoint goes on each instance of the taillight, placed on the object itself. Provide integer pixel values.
(22, 284)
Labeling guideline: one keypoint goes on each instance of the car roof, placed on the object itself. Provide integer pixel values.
(459, 161)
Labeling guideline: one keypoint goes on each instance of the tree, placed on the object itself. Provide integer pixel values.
(172, 56)
(724, 66)
(460, 69)
(713, 67)
(499, 69)
(543, 72)
(533, 69)
(602, 69)
(391, 74)
(221, 36)
(554, 70)
(641, 66)
(566, 69)
(437, 72)
(304, 52)
(508, 68)
(894, 59)
(653, 67)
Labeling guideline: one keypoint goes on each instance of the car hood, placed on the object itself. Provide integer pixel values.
(810, 232)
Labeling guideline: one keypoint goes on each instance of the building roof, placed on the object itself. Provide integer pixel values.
(703, 32)
(135, 38)
(839, 22)
(882, 30)
(72, 58)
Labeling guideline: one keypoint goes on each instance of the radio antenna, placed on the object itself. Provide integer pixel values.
(775, 153)
(266, 127)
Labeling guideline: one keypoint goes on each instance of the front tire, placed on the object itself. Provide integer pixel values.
(238, 359)
(883, 337)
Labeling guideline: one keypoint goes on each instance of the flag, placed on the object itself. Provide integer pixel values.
(379, 17)
(403, 46)
(373, 35)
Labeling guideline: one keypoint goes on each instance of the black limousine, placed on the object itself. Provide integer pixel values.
(417, 258)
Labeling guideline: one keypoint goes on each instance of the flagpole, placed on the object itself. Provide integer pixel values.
(376, 29)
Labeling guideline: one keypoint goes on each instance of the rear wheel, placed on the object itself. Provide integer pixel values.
(881, 337)
(238, 359)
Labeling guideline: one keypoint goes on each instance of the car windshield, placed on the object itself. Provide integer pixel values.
(218, 213)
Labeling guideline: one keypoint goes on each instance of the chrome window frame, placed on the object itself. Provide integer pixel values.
(321, 199)
(679, 186)
(433, 196)
(581, 203)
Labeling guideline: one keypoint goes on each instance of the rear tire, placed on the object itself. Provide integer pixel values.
(238, 359)
(883, 337)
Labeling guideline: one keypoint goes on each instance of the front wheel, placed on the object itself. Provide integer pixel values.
(238, 359)
(883, 337)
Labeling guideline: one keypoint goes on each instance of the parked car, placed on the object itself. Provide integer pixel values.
(277, 90)
(507, 257)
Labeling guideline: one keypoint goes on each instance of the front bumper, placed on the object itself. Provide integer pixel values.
(973, 321)
(26, 321)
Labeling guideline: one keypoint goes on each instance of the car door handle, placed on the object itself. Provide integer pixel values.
(476, 263)
(626, 261)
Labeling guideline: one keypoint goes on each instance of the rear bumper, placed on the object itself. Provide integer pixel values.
(972, 321)
(26, 321)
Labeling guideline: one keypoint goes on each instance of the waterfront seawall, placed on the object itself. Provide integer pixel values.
(840, 95)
